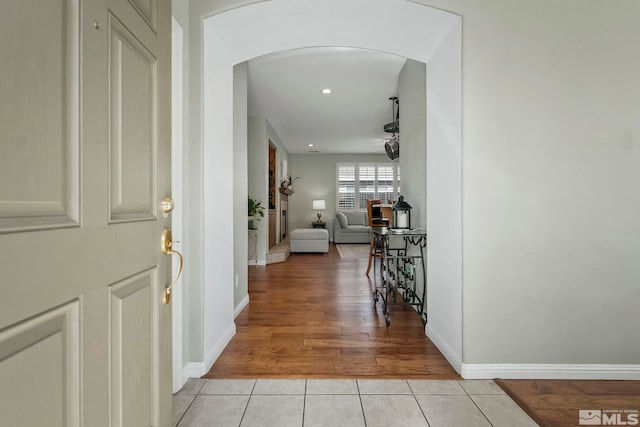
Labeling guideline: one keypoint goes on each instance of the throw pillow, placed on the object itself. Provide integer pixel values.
(343, 219)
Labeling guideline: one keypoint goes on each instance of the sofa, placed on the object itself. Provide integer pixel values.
(351, 227)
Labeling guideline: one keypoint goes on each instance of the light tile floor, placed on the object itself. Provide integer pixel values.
(349, 403)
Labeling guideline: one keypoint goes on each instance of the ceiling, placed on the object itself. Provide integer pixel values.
(286, 87)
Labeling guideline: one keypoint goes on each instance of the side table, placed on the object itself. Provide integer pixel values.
(318, 224)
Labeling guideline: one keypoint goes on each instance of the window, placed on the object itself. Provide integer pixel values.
(358, 182)
(346, 187)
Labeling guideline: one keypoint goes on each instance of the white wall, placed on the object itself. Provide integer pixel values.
(444, 198)
(259, 134)
(218, 229)
(240, 185)
(258, 161)
(551, 166)
(412, 94)
(208, 316)
(191, 241)
(412, 90)
(281, 154)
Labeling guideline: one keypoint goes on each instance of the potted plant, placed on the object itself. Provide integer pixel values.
(255, 211)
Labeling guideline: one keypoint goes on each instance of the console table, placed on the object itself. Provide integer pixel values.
(401, 256)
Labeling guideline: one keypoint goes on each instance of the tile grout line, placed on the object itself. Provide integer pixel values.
(190, 404)
(364, 417)
(248, 400)
(186, 410)
(476, 405)
(413, 393)
(304, 401)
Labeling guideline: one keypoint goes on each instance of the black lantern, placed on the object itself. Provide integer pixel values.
(401, 214)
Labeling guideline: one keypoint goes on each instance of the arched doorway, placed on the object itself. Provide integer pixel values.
(414, 31)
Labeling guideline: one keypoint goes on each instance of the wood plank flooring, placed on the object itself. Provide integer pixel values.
(313, 317)
(555, 403)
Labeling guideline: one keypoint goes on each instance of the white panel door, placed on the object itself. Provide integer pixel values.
(85, 339)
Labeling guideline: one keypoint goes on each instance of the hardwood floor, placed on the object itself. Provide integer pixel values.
(555, 403)
(313, 317)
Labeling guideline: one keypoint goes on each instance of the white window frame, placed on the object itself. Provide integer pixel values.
(356, 166)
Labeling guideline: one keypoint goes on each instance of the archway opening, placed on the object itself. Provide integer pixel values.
(417, 32)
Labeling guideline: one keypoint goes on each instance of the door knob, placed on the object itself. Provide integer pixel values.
(166, 246)
(166, 205)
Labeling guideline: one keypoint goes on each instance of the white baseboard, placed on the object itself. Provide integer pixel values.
(537, 371)
(241, 305)
(257, 262)
(449, 354)
(198, 369)
(550, 371)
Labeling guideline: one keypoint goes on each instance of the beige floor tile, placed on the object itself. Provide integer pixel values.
(192, 386)
(345, 402)
(215, 411)
(332, 387)
(502, 411)
(392, 411)
(481, 387)
(181, 403)
(383, 387)
(274, 410)
(228, 387)
(451, 411)
(436, 387)
(333, 411)
(280, 387)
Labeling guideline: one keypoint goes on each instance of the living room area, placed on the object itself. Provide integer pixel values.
(318, 180)
(303, 173)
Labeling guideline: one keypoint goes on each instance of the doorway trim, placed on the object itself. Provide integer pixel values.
(177, 96)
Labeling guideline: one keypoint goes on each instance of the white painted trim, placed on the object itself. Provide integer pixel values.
(532, 371)
(449, 354)
(241, 305)
(257, 262)
(198, 369)
(177, 108)
(550, 371)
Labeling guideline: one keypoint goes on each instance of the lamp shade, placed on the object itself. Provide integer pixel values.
(318, 204)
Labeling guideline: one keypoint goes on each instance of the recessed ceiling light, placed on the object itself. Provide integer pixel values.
(326, 91)
(309, 145)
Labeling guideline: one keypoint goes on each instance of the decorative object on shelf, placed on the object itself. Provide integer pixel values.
(288, 182)
(401, 214)
(255, 211)
(319, 205)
